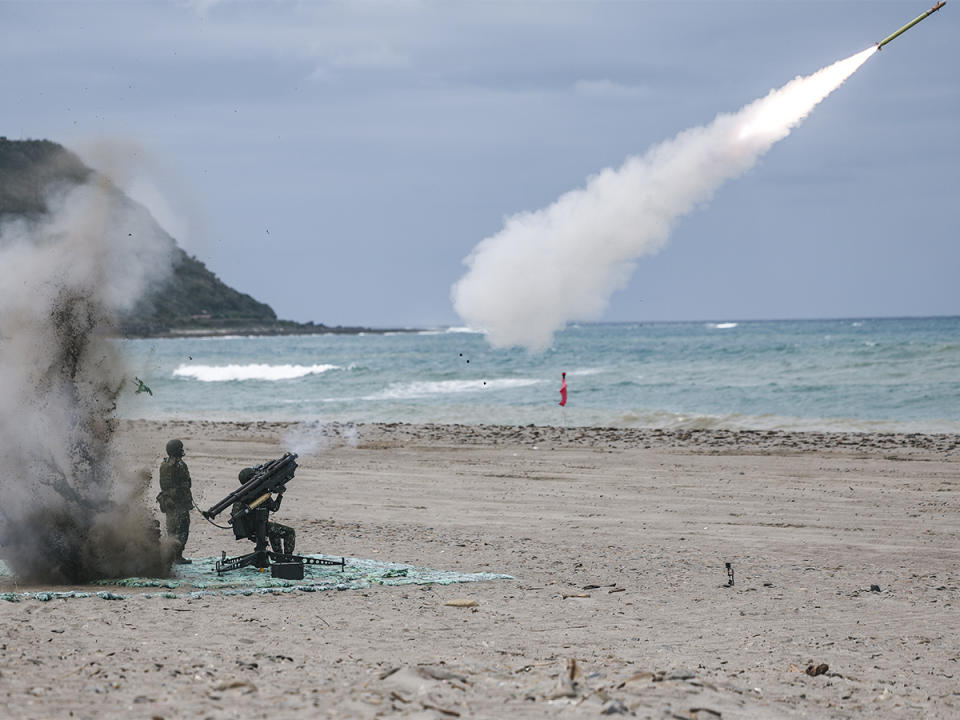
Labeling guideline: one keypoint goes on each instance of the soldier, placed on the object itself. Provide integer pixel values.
(175, 497)
(282, 538)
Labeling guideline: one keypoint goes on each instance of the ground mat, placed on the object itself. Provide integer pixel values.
(200, 579)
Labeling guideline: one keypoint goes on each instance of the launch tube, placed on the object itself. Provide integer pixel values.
(910, 24)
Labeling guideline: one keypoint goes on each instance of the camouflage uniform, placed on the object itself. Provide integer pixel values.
(282, 537)
(175, 497)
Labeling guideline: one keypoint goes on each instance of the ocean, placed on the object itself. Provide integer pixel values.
(854, 375)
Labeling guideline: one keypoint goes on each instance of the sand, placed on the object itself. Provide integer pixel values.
(617, 540)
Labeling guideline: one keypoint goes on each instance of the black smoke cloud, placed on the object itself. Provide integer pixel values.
(70, 509)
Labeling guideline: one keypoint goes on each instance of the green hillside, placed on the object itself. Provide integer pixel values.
(192, 301)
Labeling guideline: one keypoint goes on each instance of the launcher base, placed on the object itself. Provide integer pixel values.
(263, 559)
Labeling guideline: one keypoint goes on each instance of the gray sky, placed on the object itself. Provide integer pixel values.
(338, 160)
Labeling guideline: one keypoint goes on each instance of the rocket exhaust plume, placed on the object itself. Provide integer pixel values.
(70, 509)
(562, 263)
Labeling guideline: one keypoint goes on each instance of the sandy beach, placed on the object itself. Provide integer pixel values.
(844, 603)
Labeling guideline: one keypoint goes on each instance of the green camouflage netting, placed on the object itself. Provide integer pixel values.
(200, 579)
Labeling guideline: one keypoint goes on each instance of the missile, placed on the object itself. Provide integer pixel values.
(910, 24)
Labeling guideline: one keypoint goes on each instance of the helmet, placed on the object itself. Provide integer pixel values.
(246, 474)
(175, 449)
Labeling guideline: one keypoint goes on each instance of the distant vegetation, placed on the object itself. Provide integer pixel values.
(193, 300)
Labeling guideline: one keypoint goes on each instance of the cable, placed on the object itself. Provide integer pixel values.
(222, 527)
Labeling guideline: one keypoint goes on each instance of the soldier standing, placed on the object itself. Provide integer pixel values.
(175, 497)
(282, 538)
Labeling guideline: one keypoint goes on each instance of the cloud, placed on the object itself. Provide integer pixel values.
(202, 7)
(381, 57)
(608, 89)
(372, 57)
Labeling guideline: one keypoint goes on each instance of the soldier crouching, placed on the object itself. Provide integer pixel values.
(282, 538)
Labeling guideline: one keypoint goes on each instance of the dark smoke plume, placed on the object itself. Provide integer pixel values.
(70, 509)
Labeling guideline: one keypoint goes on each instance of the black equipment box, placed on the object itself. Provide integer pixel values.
(287, 571)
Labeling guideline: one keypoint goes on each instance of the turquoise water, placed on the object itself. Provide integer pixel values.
(846, 375)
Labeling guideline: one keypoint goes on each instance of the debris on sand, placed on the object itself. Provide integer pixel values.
(462, 603)
(567, 685)
(429, 687)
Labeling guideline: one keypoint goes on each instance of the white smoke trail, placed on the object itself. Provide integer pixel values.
(562, 263)
(313, 438)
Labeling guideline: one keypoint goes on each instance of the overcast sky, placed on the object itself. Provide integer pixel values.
(339, 160)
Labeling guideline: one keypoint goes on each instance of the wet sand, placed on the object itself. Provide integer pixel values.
(617, 540)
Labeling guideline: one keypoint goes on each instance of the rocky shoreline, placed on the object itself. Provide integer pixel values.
(943, 446)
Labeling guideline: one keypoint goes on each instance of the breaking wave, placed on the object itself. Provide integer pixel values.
(404, 391)
(586, 371)
(224, 373)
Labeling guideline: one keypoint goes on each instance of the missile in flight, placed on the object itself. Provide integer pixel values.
(910, 24)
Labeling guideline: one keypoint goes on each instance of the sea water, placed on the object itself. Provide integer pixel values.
(875, 375)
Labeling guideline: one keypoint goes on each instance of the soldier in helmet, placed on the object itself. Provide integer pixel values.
(282, 537)
(175, 497)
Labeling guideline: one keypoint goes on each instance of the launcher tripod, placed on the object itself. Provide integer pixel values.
(280, 564)
(251, 522)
